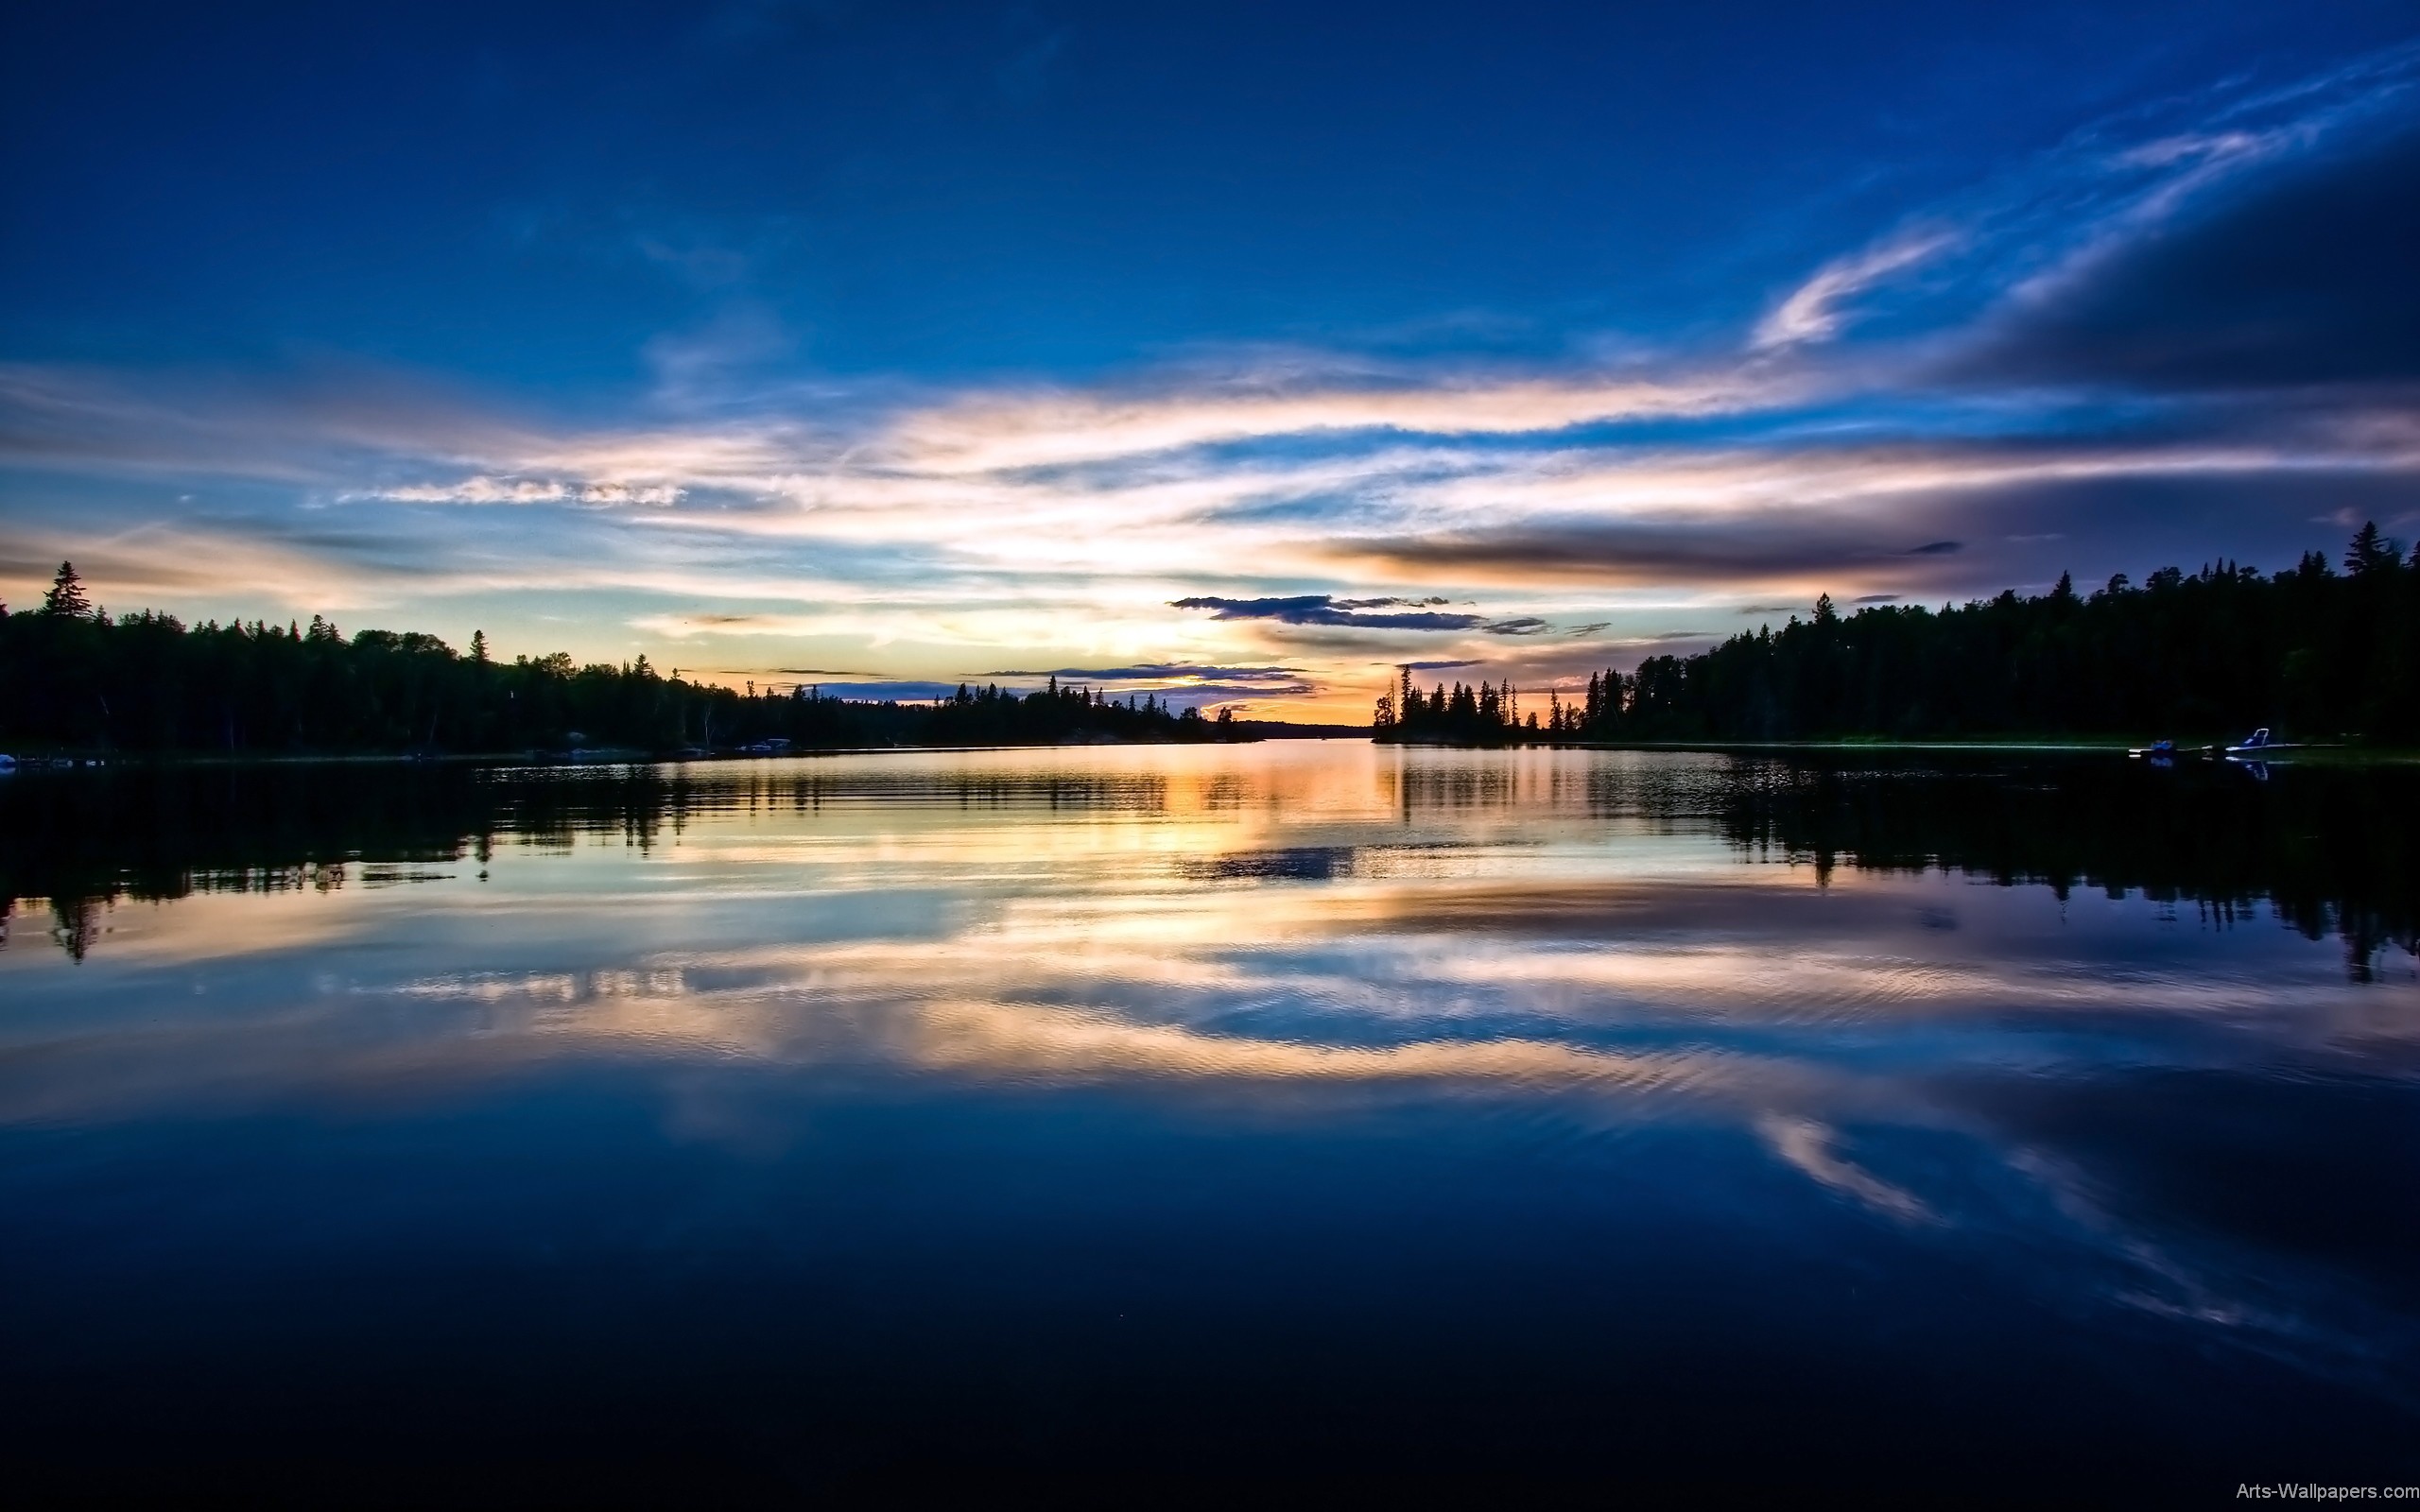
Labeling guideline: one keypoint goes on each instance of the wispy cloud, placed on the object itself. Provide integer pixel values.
(1816, 308)
(523, 491)
(1165, 672)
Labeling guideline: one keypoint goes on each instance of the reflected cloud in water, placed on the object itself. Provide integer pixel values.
(2099, 1033)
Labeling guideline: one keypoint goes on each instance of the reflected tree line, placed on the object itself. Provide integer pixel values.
(2310, 649)
(2326, 849)
(73, 677)
(88, 840)
(2323, 850)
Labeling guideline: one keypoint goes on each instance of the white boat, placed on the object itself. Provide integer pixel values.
(2260, 744)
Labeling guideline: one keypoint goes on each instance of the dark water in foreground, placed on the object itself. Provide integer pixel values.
(1217, 1110)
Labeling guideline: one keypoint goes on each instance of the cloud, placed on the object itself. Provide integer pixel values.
(483, 489)
(1814, 312)
(1322, 608)
(2028, 240)
(1180, 685)
(318, 425)
(998, 433)
(1770, 547)
(712, 622)
(707, 364)
(1169, 672)
(1203, 695)
(2301, 277)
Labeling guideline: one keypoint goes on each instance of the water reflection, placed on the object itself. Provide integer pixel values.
(2095, 1068)
(2325, 848)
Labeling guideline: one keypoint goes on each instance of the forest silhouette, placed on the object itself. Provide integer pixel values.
(2320, 653)
(75, 679)
(2312, 650)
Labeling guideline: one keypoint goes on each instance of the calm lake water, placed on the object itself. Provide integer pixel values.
(1219, 1109)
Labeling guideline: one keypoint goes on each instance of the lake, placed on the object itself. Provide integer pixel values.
(1948, 1121)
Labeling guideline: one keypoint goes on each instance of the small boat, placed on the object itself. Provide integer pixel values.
(8, 763)
(2260, 743)
(2156, 750)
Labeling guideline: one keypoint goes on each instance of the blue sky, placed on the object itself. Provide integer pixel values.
(854, 343)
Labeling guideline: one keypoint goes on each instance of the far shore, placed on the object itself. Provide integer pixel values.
(1252, 732)
(605, 756)
(2010, 746)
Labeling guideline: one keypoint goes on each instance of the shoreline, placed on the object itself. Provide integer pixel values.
(591, 756)
(2358, 754)
(605, 757)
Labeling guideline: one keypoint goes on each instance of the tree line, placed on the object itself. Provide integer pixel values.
(76, 678)
(2309, 650)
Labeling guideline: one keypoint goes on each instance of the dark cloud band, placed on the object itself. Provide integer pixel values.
(1323, 609)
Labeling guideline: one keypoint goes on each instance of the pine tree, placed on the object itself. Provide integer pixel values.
(2369, 552)
(66, 596)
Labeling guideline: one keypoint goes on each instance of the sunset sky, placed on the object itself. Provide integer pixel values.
(1243, 351)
